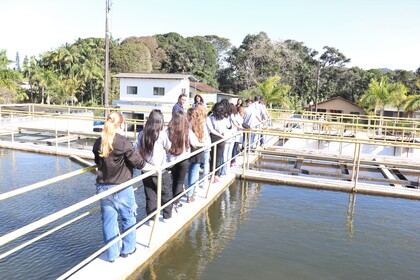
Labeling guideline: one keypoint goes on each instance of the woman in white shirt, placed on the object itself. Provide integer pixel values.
(152, 143)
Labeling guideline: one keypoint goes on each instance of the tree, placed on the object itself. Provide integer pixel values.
(191, 55)
(157, 54)
(70, 87)
(274, 93)
(377, 96)
(17, 62)
(44, 79)
(330, 67)
(130, 57)
(256, 59)
(9, 89)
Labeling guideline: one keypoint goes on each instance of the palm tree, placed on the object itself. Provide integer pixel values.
(44, 78)
(90, 73)
(377, 96)
(274, 93)
(398, 96)
(71, 87)
(7, 77)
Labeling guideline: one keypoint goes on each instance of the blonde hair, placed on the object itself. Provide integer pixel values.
(112, 123)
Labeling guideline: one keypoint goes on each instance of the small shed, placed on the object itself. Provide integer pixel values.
(339, 105)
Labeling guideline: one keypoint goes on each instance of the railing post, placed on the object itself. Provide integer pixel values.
(357, 166)
(158, 204)
(213, 172)
(245, 156)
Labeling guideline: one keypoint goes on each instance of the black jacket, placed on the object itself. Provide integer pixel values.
(118, 167)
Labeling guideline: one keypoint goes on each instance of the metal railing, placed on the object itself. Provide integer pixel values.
(5, 239)
(310, 130)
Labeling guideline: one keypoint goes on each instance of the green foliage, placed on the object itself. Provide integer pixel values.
(193, 55)
(10, 91)
(130, 57)
(74, 73)
(382, 93)
(274, 94)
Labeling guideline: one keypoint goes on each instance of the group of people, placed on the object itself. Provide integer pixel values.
(157, 145)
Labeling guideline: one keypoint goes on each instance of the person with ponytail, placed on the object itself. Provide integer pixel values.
(115, 158)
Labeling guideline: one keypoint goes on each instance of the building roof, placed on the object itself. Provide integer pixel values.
(203, 87)
(166, 76)
(339, 97)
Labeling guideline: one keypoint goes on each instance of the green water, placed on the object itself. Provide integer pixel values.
(253, 231)
(259, 231)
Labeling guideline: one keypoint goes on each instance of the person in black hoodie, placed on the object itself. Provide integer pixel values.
(115, 158)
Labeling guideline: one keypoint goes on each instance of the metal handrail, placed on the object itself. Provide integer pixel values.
(246, 154)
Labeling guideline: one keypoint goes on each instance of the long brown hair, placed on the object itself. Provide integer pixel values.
(178, 133)
(112, 123)
(198, 121)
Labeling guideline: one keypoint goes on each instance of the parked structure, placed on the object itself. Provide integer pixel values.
(339, 105)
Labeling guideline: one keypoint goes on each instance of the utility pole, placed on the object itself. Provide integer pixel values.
(106, 87)
(318, 73)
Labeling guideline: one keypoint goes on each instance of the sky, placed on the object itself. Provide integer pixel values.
(372, 33)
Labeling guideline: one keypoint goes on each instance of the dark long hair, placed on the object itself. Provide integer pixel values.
(152, 128)
(219, 111)
(178, 133)
(226, 105)
(200, 97)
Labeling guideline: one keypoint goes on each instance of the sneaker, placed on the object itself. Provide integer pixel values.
(177, 205)
(122, 255)
(190, 199)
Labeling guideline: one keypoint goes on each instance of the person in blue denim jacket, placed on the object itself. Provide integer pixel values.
(115, 158)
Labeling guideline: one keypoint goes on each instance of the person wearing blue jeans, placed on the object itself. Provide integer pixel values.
(193, 178)
(206, 167)
(116, 158)
(123, 203)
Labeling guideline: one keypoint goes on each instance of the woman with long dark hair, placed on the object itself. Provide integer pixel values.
(152, 143)
(116, 157)
(178, 130)
(198, 99)
(221, 125)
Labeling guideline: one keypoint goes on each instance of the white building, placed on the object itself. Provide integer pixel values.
(142, 92)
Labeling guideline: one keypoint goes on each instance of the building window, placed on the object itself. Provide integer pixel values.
(354, 113)
(132, 90)
(184, 91)
(159, 91)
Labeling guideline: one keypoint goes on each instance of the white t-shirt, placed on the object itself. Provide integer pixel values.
(158, 158)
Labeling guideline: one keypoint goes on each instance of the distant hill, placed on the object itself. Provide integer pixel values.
(385, 70)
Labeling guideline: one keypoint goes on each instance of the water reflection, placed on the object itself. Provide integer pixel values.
(252, 231)
(350, 214)
(190, 253)
(261, 231)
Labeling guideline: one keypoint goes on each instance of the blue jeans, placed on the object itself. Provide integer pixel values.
(121, 203)
(227, 156)
(206, 165)
(193, 176)
(251, 142)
